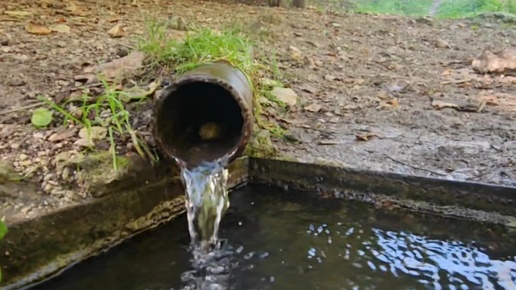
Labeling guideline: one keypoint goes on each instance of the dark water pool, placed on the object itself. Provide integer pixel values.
(288, 240)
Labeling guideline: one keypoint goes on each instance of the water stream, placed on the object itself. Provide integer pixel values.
(206, 202)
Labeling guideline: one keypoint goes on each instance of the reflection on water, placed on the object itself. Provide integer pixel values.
(286, 241)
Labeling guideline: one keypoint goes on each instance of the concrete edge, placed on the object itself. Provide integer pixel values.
(40, 248)
(467, 200)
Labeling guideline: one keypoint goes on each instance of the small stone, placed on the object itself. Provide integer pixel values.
(295, 53)
(38, 135)
(15, 145)
(439, 43)
(23, 157)
(314, 108)
(286, 95)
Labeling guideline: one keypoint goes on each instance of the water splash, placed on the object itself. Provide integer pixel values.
(206, 201)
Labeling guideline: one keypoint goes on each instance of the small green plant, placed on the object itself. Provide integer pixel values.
(3, 232)
(41, 117)
(105, 111)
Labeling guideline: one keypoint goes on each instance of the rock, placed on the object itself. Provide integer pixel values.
(295, 53)
(439, 43)
(286, 95)
(314, 107)
(4, 41)
(7, 173)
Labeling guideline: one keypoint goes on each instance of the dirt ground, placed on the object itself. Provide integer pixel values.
(373, 92)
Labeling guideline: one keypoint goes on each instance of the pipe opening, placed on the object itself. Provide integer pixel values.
(200, 121)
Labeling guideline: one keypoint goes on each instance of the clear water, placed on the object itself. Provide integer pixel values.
(206, 202)
(291, 240)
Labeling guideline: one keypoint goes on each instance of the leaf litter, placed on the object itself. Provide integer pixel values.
(346, 73)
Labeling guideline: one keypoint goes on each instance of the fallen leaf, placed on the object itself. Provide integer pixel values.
(365, 136)
(314, 107)
(503, 62)
(437, 104)
(37, 29)
(309, 89)
(17, 13)
(439, 43)
(62, 134)
(394, 102)
(121, 66)
(87, 136)
(62, 28)
(116, 31)
(41, 117)
(295, 53)
(286, 95)
(330, 77)
(137, 93)
(461, 106)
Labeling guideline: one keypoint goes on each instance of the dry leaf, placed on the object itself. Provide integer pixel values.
(365, 136)
(88, 135)
(502, 62)
(437, 104)
(314, 107)
(16, 13)
(286, 95)
(136, 93)
(62, 28)
(126, 64)
(37, 29)
(116, 31)
(62, 134)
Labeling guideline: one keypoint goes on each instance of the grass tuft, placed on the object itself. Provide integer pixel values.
(107, 111)
(230, 44)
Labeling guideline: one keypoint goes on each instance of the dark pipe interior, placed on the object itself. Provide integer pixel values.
(188, 108)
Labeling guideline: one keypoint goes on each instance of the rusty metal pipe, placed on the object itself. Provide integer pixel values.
(204, 115)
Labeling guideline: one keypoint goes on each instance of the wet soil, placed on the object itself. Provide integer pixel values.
(373, 92)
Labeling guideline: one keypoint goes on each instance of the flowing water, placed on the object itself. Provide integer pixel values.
(206, 202)
(271, 239)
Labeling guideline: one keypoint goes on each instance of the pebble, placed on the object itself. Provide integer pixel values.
(23, 157)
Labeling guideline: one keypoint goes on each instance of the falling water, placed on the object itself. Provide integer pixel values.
(206, 201)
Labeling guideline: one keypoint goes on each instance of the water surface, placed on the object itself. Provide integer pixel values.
(279, 240)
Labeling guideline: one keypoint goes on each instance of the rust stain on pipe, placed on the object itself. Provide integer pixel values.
(204, 115)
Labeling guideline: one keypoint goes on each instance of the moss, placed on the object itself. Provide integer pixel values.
(329, 162)
(260, 145)
(7, 173)
(95, 170)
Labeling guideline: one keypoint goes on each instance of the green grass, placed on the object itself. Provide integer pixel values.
(412, 8)
(467, 8)
(201, 46)
(447, 9)
(3, 232)
(107, 111)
